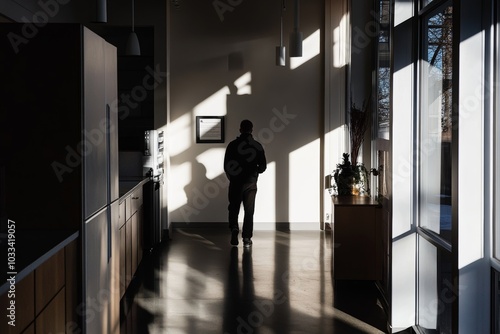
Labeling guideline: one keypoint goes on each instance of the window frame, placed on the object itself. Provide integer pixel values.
(431, 9)
(426, 235)
(495, 258)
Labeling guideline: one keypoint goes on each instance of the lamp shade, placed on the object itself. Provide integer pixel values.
(280, 56)
(101, 14)
(133, 48)
(296, 35)
(296, 44)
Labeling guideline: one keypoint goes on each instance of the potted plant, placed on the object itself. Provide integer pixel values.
(351, 177)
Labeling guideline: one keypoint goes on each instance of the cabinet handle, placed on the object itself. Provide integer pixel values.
(135, 197)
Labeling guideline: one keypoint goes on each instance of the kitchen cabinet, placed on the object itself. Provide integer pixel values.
(44, 298)
(49, 280)
(128, 253)
(358, 238)
(123, 258)
(51, 319)
(60, 123)
(131, 235)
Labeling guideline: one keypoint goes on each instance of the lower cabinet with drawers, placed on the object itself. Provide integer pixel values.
(131, 232)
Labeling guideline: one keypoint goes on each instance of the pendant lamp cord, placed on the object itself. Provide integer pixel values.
(132, 15)
(283, 8)
(296, 17)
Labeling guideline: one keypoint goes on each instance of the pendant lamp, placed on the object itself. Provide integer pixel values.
(281, 50)
(133, 48)
(296, 35)
(101, 14)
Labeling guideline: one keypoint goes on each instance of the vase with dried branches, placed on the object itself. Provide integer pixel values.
(351, 177)
(359, 122)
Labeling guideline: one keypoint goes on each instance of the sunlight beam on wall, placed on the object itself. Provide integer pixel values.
(213, 160)
(340, 44)
(214, 105)
(304, 179)
(180, 129)
(183, 176)
(310, 49)
(243, 84)
(265, 208)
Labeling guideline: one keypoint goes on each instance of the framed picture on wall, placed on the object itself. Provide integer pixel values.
(209, 129)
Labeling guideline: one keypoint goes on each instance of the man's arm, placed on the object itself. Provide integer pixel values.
(231, 166)
(261, 162)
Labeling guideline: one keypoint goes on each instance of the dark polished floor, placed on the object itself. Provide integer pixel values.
(198, 283)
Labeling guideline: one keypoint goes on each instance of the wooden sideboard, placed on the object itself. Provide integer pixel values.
(358, 236)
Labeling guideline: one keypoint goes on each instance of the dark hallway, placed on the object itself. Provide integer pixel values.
(198, 283)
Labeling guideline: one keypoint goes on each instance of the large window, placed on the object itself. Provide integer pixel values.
(435, 297)
(435, 140)
(383, 70)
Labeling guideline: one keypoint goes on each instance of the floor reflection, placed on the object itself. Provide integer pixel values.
(240, 313)
(198, 283)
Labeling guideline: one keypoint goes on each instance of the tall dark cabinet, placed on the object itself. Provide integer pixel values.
(59, 151)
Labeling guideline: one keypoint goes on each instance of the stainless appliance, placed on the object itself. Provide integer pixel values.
(153, 152)
(153, 167)
(101, 188)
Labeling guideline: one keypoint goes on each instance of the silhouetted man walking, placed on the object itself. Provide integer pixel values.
(243, 162)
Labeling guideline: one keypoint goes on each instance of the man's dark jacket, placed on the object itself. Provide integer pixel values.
(244, 159)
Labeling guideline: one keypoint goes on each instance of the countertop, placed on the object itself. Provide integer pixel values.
(32, 248)
(126, 185)
(354, 200)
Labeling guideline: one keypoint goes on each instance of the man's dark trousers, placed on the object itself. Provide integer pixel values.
(242, 192)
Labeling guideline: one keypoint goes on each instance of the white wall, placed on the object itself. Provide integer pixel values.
(285, 105)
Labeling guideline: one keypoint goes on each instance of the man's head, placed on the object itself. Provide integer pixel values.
(246, 126)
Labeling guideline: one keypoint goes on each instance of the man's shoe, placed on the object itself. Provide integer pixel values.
(247, 242)
(234, 237)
